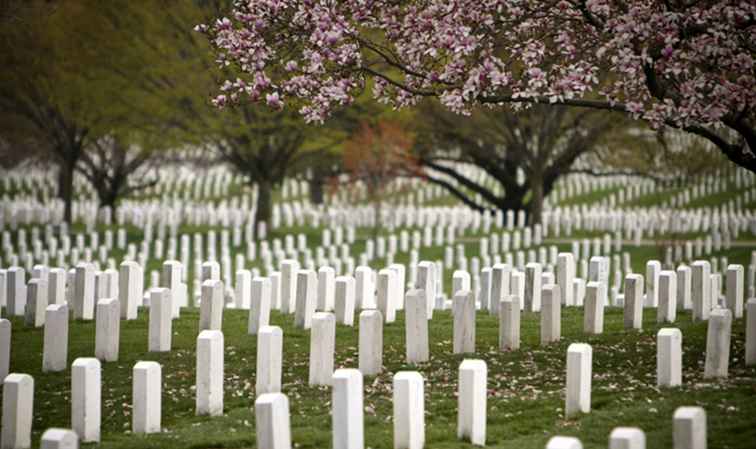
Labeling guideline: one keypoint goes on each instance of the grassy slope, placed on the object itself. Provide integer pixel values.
(525, 396)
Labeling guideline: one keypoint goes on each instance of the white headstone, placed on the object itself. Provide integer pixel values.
(347, 409)
(565, 277)
(734, 290)
(426, 283)
(627, 438)
(551, 314)
(364, 289)
(306, 294)
(533, 275)
(56, 438)
(409, 409)
(289, 269)
(371, 342)
(159, 332)
(718, 343)
(146, 397)
(259, 311)
(209, 380)
(36, 302)
(471, 399)
(500, 281)
(171, 279)
(701, 289)
(269, 360)
(750, 337)
(5, 347)
(108, 329)
(666, 289)
(211, 306)
(560, 442)
(653, 268)
(386, 294)
(16, 291)
(416, 327)
(689, 428)
(272, 426)
(85, 398)
(84, 292)
(509, 323)
(18, 406)
(669, 357)
(684, 284)
(579, 373)
(464, 322)
(344, 301)
(243, 289)
(326, 289)
(593, 318)
(56, 286)
(130, 289)
(633, 315)
(322, 347)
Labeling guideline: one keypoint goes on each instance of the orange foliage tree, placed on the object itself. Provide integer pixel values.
(377, 154)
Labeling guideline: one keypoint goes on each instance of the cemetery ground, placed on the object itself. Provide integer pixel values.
(526, 387)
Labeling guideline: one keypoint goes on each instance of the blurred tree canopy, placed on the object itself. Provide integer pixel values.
(134, 78)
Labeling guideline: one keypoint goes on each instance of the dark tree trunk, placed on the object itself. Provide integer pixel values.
(317, 189)
(108, 198)
(264, 202)
(535, 206)
(65, 187)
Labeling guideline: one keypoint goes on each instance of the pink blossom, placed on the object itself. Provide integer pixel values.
(321, 54)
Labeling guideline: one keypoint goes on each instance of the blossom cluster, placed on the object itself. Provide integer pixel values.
(668, 62)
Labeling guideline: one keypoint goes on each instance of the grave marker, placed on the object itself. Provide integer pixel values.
(471, 397)
(579, 372)
(269, 360)
(146, 397)
(272, 426)
(409, 408)
(416, 327)
(347, 409)
(18, 404)
(463, 322)
(322, 347)
(718, 343)
(108, 329)
(371, 342)
(209, 379)
(86, 398)
(669, 357)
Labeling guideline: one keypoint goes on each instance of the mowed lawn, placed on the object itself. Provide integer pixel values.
(525, 387)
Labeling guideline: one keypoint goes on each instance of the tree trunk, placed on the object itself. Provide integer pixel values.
(65, 187)
(317, 188)
(377, 207)
(535, 206)
(264, 202)
(108, 198)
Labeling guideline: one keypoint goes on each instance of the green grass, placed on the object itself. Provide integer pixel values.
(525, 387)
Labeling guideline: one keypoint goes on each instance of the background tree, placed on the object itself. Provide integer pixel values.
(523, 154)
(376, 155)
(688, 65)
(111, 165)
(41, 97)
(106, 86)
